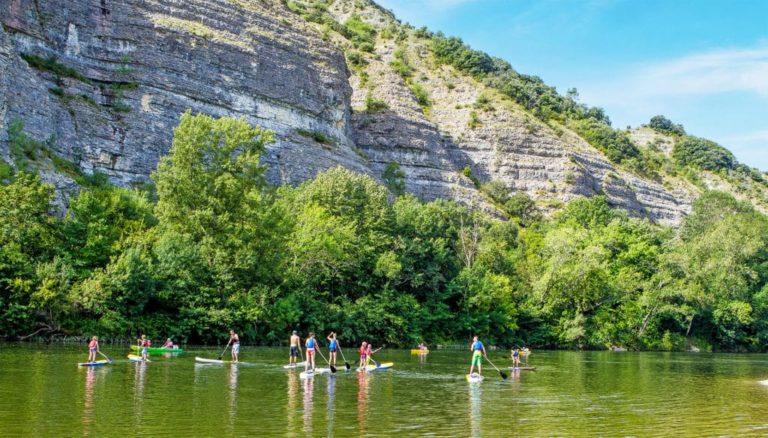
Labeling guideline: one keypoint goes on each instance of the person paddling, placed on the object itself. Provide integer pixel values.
(235, 341)
(295, 348)
(363, 355)
(333, 346)
(516, 357)
(93, 348)
(478, 351)
(369, 355)
(311, 345)
(169, 344)
(144, 344)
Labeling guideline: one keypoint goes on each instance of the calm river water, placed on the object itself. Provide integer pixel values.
(44, 393)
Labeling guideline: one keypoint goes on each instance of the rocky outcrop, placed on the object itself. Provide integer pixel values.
(105, 82)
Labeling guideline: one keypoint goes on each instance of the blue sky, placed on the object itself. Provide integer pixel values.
(701, 63)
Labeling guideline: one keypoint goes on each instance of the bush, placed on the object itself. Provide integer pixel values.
(615, 144)
(316, 136)
(356, 59)
(665, 126)
(362, 34)
(374, 106)
(702, 153)
(474, 121)
(421, 95)
(454, 52)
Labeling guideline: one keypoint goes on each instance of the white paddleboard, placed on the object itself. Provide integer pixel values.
(310, 373)
(135, 358)
(296, 365)
(98, 363)
(764, 382)
(382, 366)
(474, 378)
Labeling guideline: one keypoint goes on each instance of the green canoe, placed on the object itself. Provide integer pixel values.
(159, 350)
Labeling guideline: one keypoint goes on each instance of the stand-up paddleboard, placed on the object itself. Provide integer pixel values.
(522, 368)
(135, 358)
(313, 373)
(98, 363)
(295, 365)
(474, 378)
(217, 361)
(419, 351)
(157, 350)
(764, 382)
(382, 366)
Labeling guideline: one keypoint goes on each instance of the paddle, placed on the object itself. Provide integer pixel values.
(501, 373)
(225, 350)
(378, 364)
(346, 364)
(106, 357)
(333, 368)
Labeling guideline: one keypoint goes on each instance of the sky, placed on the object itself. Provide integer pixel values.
(700, 63)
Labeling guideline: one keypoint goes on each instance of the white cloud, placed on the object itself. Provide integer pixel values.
(696, 75)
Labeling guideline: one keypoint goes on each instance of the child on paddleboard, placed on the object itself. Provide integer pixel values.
(478, 351)
(144, 344)
(516, 357)
(93, 348)
(235, 341)
(311, 345)
(333, 345)
(363, 355)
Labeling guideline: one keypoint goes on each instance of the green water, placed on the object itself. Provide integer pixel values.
(44, 393)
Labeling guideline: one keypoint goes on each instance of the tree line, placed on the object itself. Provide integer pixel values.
(211, 246)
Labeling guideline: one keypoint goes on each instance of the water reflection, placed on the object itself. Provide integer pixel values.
(475, 416)
(363, 392)
(293, 390)
(309, 389)
(138, 392)
(90, 382)
(331, 395)
(233, 370)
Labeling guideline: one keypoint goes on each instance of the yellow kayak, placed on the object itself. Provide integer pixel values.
(419, 351)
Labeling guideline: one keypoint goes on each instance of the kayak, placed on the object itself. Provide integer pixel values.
(159, 350)
(135, 358)
(98, 363)
(419, 351)
(382, 366)
(311, 373)
(295, 365)
(522, 368)
(204, 360)
(474, 378)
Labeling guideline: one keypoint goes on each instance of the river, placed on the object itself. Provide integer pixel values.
(44, 393)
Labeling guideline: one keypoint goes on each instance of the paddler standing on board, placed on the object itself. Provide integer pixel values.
(93, 348)
(363, 355)
(144, 344)
(311, 346)
(295, 348)
(235, 341)
(333, 346)
(478, 351)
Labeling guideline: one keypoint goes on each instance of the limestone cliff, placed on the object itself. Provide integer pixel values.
(105, 81)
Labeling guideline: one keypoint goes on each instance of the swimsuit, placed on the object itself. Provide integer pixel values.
(333, 346)
(310, 347)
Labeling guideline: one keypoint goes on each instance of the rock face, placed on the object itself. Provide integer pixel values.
(105, 82)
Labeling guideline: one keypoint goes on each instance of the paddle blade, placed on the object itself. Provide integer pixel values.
(503, 375)
(333, 369)
(346, 364)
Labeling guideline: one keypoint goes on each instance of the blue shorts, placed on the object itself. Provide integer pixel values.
(145, 350)
(333, 350)
(236, 348)
(294, 351)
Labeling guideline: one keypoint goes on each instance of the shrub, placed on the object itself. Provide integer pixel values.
(362, 34)
(615, 144)
(474, 121)
(356, 59)
(665, 126)
(394, 178)
(52, 65)
(373, 105)
(316, 136)
(421, 95)
(702, 153)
